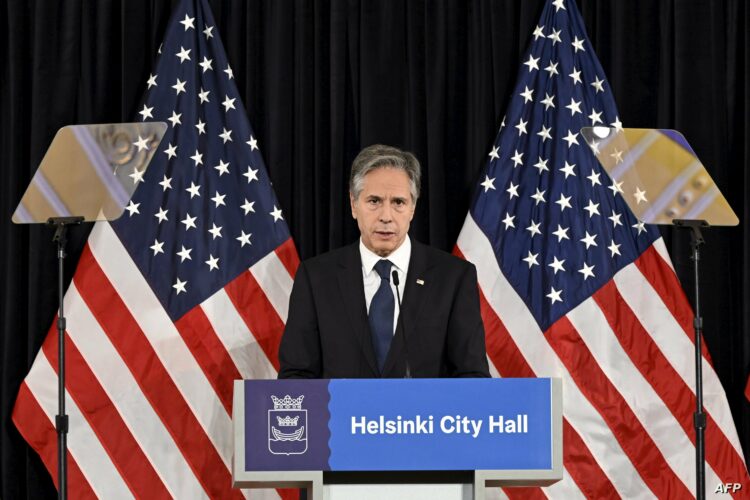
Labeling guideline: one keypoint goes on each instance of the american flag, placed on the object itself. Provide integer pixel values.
(573, 286)
(183, 294)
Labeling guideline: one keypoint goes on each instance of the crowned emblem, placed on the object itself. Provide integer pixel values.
(287, 421)
(287, 403)
(287, 426)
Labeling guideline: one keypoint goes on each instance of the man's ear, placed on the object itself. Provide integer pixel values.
(352, 204)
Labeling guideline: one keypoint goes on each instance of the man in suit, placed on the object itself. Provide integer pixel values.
(346, 318)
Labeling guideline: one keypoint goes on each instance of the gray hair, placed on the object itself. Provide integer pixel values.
(380, 156)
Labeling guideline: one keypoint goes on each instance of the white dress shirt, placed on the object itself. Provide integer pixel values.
(400, 260)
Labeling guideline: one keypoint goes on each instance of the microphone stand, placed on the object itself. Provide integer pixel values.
(394, 275)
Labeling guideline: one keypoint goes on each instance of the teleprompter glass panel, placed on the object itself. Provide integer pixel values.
(659, 176)
(90, 171)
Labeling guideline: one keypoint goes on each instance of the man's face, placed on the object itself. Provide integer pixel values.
(383, 209)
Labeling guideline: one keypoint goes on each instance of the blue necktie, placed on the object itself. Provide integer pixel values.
(381, 313)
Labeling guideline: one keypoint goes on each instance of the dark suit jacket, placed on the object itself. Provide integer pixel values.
(327, 334)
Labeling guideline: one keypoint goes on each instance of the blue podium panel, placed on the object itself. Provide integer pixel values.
(398, 425)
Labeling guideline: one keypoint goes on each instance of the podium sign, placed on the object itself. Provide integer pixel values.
(511, 427)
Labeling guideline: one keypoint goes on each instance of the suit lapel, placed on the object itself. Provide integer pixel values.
(411, 304)
(353, 294)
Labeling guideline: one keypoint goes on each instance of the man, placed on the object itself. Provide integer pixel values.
(344, 315)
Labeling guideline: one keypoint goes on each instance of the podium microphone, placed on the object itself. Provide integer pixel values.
(394, 275)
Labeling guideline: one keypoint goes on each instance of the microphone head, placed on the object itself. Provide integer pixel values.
(394, 275)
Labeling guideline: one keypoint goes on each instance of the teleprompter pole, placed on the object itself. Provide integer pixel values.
(699, 417)
(61, 419)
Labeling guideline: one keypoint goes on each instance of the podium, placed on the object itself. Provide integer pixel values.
(472, 433)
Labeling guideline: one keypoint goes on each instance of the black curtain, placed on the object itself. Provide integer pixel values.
(321, 79)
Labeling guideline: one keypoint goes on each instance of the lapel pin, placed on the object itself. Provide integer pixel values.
(420, 282)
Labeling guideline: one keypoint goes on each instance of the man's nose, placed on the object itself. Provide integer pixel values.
(386, 213)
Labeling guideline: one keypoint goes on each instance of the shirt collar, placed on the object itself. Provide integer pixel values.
(399, 258)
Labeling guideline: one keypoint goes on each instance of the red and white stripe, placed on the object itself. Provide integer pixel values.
(625, 356)
(150, 400)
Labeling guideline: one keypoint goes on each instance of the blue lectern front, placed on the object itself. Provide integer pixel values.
(499, 432)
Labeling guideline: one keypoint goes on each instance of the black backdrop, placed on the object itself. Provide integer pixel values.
(321, 79)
